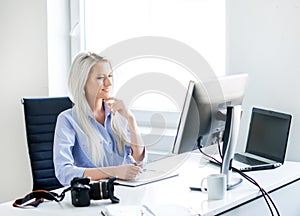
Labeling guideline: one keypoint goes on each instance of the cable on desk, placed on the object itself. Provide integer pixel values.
(265, 194)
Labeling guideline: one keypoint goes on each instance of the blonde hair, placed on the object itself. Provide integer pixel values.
(79, 73)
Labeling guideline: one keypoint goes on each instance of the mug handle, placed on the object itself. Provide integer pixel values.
(203, 189)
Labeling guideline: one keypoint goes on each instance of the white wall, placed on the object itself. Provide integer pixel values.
(263, 39)
(31, 45)
(23, 60)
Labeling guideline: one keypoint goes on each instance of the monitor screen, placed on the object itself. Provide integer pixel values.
(268, 134)
(188, 126)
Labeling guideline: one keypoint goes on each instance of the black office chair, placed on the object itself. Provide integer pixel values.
(40, 120)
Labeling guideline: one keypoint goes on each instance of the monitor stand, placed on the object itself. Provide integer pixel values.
(233, 117)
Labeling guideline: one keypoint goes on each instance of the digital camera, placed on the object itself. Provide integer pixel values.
(82, 191)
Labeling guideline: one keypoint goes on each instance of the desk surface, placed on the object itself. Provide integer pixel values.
(173, 194)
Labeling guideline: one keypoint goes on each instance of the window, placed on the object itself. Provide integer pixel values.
(199, 24)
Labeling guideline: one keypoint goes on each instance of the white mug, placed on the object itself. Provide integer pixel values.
(216, 186)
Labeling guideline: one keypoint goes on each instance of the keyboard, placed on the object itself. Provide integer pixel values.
(248, 160)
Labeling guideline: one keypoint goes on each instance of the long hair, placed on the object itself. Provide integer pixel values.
(79, 73)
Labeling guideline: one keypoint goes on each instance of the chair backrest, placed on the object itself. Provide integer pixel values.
(40, 120)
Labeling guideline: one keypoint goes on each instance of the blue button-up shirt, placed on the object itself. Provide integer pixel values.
(71, 146)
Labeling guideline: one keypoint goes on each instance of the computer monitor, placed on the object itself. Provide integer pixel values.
(185, 137)
(212, 98)
(203, 116)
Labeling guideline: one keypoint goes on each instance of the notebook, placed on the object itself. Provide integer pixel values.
(146, 177)
(156, 171)
(266, 142)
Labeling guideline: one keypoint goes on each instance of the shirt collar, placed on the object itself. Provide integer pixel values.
(106, 109)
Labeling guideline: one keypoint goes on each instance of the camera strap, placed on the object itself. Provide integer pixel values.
(36, 197)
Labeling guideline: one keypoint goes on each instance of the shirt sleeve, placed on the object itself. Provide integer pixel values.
(64, 141)
(128, 149)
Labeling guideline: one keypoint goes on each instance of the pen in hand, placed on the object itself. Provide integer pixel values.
(132, 160)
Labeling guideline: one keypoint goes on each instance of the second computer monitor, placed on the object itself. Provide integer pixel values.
(202, 119)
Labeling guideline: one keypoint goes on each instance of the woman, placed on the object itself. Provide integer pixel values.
(98, 137)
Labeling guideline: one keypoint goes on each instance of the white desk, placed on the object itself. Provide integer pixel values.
(174, 196)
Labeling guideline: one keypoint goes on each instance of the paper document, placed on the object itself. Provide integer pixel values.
(145, 210)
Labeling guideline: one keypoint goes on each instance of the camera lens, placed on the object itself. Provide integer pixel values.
(95, 192)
